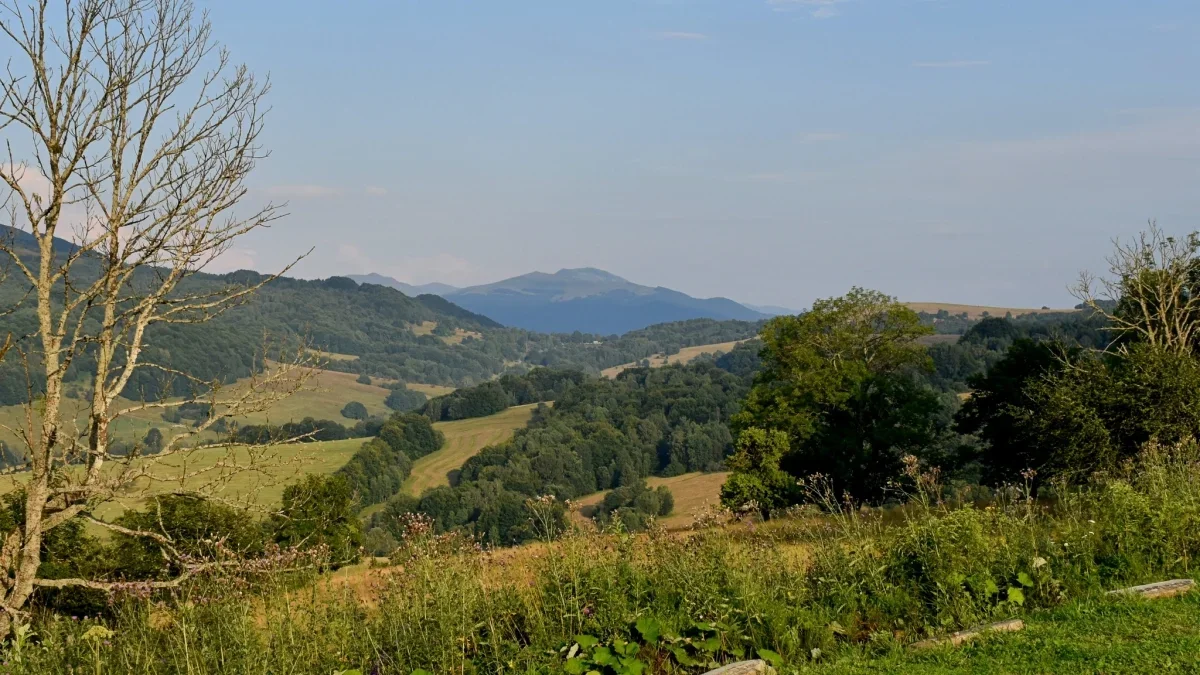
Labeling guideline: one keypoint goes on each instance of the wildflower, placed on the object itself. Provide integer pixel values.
(98, 633)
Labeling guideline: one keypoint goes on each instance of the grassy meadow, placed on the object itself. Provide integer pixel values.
(464, 438)
(322, 397)
(263, 483)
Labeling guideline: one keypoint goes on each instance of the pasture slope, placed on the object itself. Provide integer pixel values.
(263, 485)
(693, 492)
(685, 355)
(464, 438)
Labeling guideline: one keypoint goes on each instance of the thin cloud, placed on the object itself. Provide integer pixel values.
(817, 9)
(679, 35)
(964, 63)
(302, 191)
(375, 191)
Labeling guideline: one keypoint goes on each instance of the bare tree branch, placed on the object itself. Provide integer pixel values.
(130, 134)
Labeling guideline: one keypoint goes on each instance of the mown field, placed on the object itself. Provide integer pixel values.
(464, 438)
(263, 483)
(693, 493)
(685, 355)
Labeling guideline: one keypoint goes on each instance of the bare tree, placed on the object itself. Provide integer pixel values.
(1152, 293)
(136, 134)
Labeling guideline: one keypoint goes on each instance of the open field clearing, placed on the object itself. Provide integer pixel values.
(259, 483)
(430, 390)
(332, 356)
(323, 397)
(464, 438)
(977, 311)
(263, 484)
(693, 493)
(685, 355)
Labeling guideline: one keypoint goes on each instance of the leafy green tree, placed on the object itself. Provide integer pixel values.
(1103, 409)
(319, 510)
(635, 505)
(196, 528)
(152, 443)
(839, 381)
(363, 379)
(1000, 407)
(756, 479)
(355, 410)
(403, 399)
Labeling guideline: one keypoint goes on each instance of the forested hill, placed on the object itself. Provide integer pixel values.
(366, 328)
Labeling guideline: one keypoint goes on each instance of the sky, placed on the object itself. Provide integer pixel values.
(770, 151)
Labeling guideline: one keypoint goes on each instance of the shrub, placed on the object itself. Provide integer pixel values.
(635, 506)
(355, 411)
(403, 399)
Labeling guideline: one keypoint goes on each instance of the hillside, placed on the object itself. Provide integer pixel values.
(464, 439)
(693, 493)
(358, 328)
(407, 289)
(590, 301)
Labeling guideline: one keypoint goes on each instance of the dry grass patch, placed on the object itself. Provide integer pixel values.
(430, 390)
(977, 311)
(683, 356)
(693, 493)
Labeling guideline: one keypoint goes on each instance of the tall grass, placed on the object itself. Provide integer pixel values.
(809, 587)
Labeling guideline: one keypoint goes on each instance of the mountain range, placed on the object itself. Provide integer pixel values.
(585, 299)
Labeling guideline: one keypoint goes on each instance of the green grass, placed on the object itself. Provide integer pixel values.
(1098, 635)
(323, 397)
(464, 438)
(260, 482)
(851, 588)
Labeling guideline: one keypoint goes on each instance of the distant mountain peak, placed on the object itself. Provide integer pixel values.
(407, 289)
(589, 300)
(589, 274)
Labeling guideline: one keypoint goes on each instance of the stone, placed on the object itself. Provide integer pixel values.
(756, 667)
(1161, 589)
(955, 639)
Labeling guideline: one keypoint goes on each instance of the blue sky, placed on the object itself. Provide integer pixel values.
(772, 151)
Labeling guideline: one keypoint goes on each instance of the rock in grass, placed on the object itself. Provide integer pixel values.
(756, 667)
(1161, 589)
(955, 639)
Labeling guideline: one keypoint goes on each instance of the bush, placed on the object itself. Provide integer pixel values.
(402, 399)
(635, 506)
(363, 379)
(355, 411)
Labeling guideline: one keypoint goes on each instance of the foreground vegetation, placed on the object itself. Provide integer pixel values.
(839, 592)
